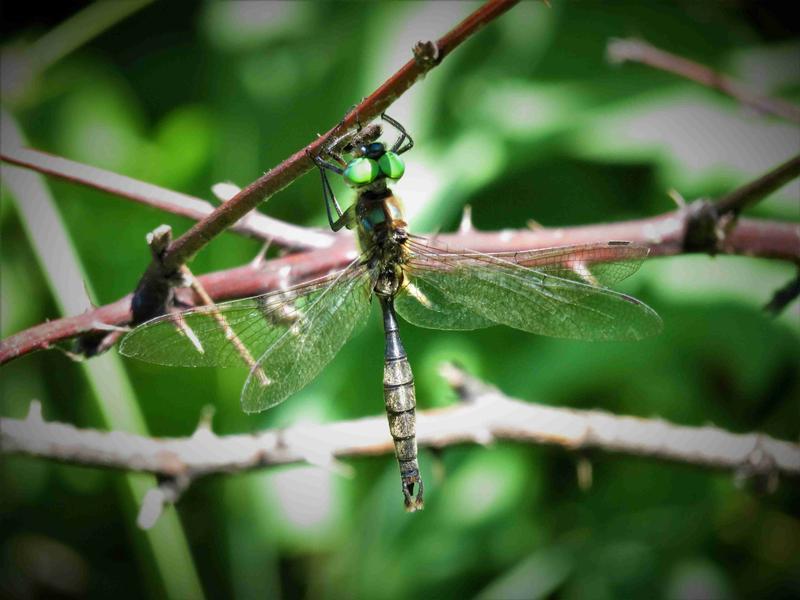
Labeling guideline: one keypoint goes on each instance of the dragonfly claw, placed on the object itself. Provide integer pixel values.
(413, 503)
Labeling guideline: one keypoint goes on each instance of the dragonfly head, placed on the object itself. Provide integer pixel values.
(373, 163)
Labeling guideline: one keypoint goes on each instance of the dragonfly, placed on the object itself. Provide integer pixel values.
(286, 337)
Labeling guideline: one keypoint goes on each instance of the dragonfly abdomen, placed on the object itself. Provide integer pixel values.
(400, 400)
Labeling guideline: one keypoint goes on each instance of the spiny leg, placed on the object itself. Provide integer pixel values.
(398, 147)
(328, 195)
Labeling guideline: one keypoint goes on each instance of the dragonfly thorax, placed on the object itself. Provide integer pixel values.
(381, 229)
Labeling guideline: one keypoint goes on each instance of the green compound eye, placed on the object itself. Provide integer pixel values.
(361, 171)
(392, 165)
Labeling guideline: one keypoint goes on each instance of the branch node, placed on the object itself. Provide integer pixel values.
(426, 54)
(702, 232)
(154, 293)
(159, 239)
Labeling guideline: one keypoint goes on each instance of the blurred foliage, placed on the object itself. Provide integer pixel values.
(525, 121)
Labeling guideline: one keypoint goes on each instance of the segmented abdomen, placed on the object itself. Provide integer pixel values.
(398, 393)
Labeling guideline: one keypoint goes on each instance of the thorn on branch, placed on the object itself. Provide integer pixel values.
(677, 198)
(168, 492)
(34, 416)
(466, 225)
(469, 389)
(759, 471)
(261, 256)
(206, 418)
(534, 225)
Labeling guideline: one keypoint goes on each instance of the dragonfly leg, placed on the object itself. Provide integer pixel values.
(403, 143)
(329, 197)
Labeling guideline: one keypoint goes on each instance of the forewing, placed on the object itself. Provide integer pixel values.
(310, 343)
(600, 264)
(226, 334)
(559, 297)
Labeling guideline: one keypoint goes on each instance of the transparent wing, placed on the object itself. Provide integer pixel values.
(310, 343)
(423, 304)
(554, 291)
(312, 320)
(197, 338)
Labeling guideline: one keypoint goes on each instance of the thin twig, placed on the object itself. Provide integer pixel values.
(664, 235)
(621, 50)
(750, 193)
(709, 224)
(784, 296)
(486, 415)
(254, 224)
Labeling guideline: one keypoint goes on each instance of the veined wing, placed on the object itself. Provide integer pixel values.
(312, 319)
(424, 304)
(311, 342)
(596, 264)
(554, 291)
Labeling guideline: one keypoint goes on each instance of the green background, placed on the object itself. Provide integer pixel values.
(527, 120)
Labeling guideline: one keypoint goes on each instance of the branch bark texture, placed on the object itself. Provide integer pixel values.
(485, 416)
(255, 224)
(664, 234)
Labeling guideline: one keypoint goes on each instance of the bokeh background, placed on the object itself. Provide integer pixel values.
(528, 120)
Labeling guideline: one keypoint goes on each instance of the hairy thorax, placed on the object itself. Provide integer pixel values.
(382, 236)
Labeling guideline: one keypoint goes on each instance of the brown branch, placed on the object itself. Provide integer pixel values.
(485, 416)
(642, 52)
(709, 224)
(750, 193)
(185, 247)
(254, 224)
(664, 234)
